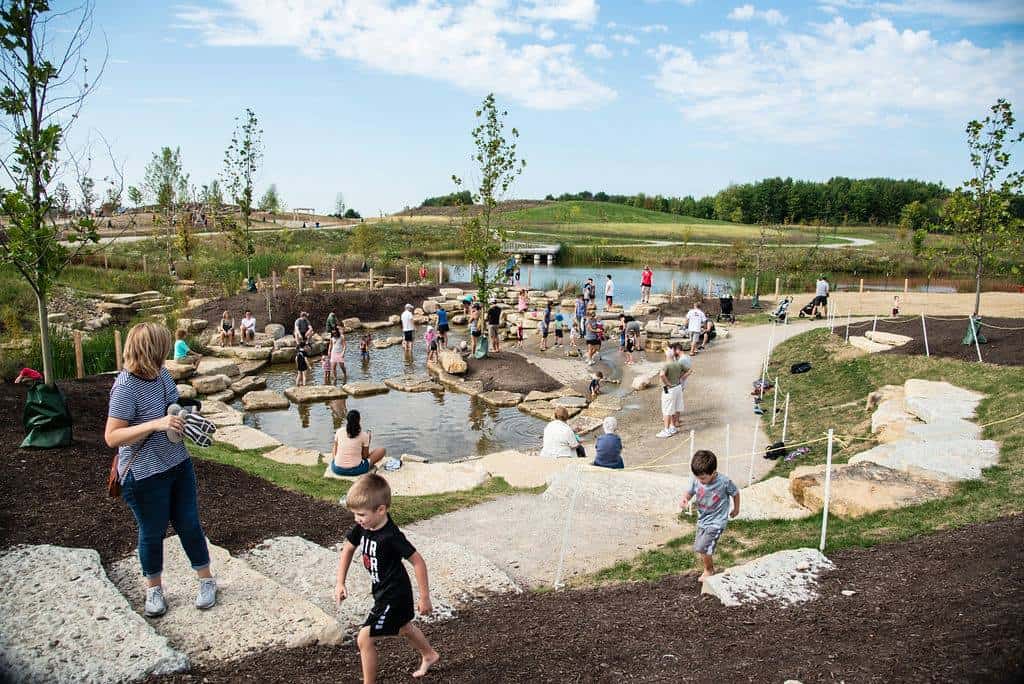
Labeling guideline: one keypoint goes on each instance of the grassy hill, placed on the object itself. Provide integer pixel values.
(601, 212)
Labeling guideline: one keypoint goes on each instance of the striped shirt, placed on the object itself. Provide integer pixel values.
(137, 400)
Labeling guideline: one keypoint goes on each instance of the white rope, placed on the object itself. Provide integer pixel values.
(565, 531)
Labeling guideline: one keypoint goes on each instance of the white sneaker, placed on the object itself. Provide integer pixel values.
(155, 604)
(673, 431)
(664, 433)
(207, 596)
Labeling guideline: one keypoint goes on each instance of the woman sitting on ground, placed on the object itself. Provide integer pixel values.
(351, 454)
(559, 439)
(227, 330)
(609, 446)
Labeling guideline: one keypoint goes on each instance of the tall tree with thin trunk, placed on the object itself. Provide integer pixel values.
(164, 180)
(978, 212)
(241, 165)
(44, 85)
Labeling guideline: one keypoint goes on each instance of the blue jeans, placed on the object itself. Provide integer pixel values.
(361, 469)
(156, 500)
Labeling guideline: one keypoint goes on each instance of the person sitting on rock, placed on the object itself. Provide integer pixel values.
(351, 454)
(248, 327)
(227, 330)
(303, 330)
(182, 352)
(609, 446)
(559, 439)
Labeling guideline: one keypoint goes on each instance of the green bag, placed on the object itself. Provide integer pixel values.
(47, 420)
(481, 348)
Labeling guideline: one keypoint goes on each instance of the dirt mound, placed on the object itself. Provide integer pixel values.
(59, 496)
(473, 210)
(509, 372)
(952, 595)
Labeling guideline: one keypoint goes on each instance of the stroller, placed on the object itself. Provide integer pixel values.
(725, 305)
(808, 310)
(781, 311)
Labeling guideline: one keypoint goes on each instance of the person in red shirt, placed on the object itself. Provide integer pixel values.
(646, 279)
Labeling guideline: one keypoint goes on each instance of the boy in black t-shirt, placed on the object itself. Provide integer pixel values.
(383, 546)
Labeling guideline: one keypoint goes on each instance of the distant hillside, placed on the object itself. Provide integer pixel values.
(472, 209)
(600, 212)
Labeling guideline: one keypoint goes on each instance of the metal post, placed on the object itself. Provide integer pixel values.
(924, 330)
(906, 285)
(440, 272)
(848, 314)
(828, 491)
(407, 275)
(79, 359)
(743, 286)
(692, 435)
(785, 418)
(371, 278)
(300, 280)
(862, 286)
(118, 361)
(777, 282)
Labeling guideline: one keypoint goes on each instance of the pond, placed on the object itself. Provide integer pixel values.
(442, 426)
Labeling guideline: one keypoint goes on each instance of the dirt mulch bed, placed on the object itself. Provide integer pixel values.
(367, 305)
(510, 372)
(948, 607)
(945, 338)
(58, 496)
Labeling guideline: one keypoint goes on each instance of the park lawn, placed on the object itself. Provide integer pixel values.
(600, 212)
(310, 480)
(833, 394)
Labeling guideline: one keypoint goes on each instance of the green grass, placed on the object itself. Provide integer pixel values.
(600, 212)
(310, 480)
(833, 394)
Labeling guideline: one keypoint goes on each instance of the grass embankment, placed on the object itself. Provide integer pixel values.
(310, 480)
(833, 395)
(602, 212)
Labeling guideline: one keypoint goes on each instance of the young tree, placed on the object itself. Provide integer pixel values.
(241, 164)
(87, 188)
(39, 100)
(978, 212)
(62, 200)
(164, 180)
(271, 201)
(482, 235)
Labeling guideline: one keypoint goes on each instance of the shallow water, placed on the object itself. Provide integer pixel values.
(442, 426)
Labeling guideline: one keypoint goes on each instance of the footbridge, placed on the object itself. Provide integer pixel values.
(540, 252)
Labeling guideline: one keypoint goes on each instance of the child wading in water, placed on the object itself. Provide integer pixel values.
(301, 365)
(364, 347)
(383, 546)
(712, 491)
(430, 340)
(595, 384)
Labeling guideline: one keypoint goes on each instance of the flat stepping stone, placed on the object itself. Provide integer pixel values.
(940, 432)
(212, 407)
(627, 491)
(248, 384)
(421, 479)
(210, 384)
(457, 577)
(251, 353)
(253, 613)
(570, 402)
(523, 470)
(543, 410)
(891, 339)
(310, 393)
(377, 325)
(787, 577)
(861, 488)
(265, 400)
(387, 342)
(501, 398)
(179, 371)
(952, 460)
(413, 383)
(470, 387)
(364, 388)
(225, 419)
(296, 456)
(541, 396)
(243, 437)
(224, 395)
(582, 424)
(607, 402)
(67, 622)
(864, 344)
(770, 500)
(211, 365)
(452, 362)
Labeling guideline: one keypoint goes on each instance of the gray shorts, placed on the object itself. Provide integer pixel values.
(694, 336)
(492, 330)
(707, 539)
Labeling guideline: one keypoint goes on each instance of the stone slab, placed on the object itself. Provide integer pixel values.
(521, 469)
(252, 353)
(248, 384)
(296, 456)
(211, 365)
(861, 488)
(946, 430)
(68, 623)
(377, 325)
(253, 613)
(387, 342)
(265, 400)
(187, 392)
(310, 393)
(224, 395)
(951, 460)
(536, 395)
(864, 344)
(501, 398)
(770, 500)
(413, 383)
(625, 491)
(891, 339)
(421, 479)
(179, 371)
(570, 402)
(244, 437)
(275, 330)
(283, 355)
(452, 362)
(364, 388)
(938, 410)
(786, 577)
(582, 424)
(209, 384)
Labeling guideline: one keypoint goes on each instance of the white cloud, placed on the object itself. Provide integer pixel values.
(598, 51)
(627, 38)
(653, 28)
(478, 45)
(748, 12)
(816, 85)
(977, 12)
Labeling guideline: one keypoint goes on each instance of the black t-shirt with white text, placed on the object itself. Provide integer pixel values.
(383, 551)
(494, 315)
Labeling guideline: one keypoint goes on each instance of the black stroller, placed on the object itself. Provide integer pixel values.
(725, 307)
(808, 310)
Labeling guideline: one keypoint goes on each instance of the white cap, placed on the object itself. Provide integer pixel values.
(409, 307)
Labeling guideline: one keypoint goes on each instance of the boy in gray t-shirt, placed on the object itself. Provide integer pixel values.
(712, 491)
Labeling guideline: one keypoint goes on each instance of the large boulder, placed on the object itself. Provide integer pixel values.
(209, 384)
(864, 344)
(352, 323)
(252, 367)
(386, 342)
(310, 393)
(224, 395)
(275, 330)
(285, 342)
(861, 488)
(265, 400)
(285, 355)
(186, 392)
(783, 577)
(252, 353)
(451, 293)
(570, 402)
(770, 500)
(248, 384)
(953, 460)
(452, 362)
(192, 325)
(429, 307)
(891, 339)
(215, 366)
(364, 388)
(179, 371)
(934, 402)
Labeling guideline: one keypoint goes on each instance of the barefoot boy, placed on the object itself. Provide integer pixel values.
(383, 546)
(712, 492)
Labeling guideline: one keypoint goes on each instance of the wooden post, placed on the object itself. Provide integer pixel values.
(672, 292)
(273, 282)
(906, 285)
(743, 286)
(106, 265)
(118, 361)
(300, 279)
(407, 275)
(144, 268)
(709, 286)
(334, 278)
(79, 359)
(529, 277)
(371, 278)
(777, 288)
(440, 272)
(862, 286)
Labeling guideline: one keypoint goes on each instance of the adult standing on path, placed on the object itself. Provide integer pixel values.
(157, 478)
(581, 311)
(673, 378)
(609, 291)
(408, 328)
(493, 321)
(820, 297)
(646, 281)
(589, 291)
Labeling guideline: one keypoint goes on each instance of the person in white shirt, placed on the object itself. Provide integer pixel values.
(559, 439)
(248, 327)
(609, 291)
(695, 319)
(408, 328)
(820, 297)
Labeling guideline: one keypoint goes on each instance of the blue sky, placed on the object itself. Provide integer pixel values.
(375, 98)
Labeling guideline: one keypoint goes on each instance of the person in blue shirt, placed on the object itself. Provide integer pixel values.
(182, 352)
(609, 446)
(581, 310)
(442, 326)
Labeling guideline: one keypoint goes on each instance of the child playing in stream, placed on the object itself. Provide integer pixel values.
(382, 547)
(364, 346)
(301, 365)
(712, 491)
(430, 340)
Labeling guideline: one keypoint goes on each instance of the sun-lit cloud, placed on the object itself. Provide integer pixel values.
(478, 45)
(598, 51)
(817, 84)
(748, 12)
(975, 12)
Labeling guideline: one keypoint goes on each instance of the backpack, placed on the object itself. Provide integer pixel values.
(801, 367)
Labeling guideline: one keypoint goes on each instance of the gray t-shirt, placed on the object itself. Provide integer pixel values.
(713, 501)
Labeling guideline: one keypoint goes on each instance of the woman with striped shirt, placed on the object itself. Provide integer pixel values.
(158, 481)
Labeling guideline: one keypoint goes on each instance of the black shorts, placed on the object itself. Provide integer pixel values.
(443, 328)
(407, 334)
(558, 334)
(389, 614)
(476, 333)
(820, 300)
